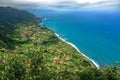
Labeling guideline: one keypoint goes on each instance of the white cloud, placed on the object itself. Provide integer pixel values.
(62, 3)
(37, 1)
(104, 5)
(90, 1)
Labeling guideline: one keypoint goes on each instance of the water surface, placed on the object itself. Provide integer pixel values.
(95, 33)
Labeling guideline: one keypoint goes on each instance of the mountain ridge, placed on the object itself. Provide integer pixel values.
(29, 51)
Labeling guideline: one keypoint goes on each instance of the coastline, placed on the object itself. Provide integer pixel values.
(42, 23)
(91, 60)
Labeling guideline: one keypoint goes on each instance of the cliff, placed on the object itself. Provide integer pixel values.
(32, 52)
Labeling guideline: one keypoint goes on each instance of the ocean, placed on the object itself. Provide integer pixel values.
(96, 33)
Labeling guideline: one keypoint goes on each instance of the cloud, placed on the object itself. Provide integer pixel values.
(68, 4)
(104, 4)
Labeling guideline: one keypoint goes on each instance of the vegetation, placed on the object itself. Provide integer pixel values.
(31, 52)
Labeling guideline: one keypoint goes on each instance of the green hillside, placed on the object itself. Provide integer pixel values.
(32, 52)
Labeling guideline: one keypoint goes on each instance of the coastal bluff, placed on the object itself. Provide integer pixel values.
(29, 51)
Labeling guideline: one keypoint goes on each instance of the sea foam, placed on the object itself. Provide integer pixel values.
(64, 40)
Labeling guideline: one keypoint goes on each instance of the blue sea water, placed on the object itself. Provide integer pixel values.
(95, 32)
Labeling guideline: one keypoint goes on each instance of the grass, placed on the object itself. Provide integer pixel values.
(57, 54)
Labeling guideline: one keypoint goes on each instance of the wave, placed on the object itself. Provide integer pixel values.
(43, 20)
(96, 65)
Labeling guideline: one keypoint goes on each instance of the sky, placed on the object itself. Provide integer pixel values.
(62, 4)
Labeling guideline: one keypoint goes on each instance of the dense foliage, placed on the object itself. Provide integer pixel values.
(9, 17)
(31, 52)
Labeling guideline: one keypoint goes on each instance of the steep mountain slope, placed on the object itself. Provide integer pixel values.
(21, 35)
(32, 52)
(9, 17)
